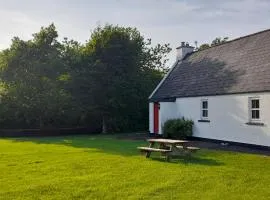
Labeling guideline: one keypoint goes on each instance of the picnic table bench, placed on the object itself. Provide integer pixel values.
(168, 148)
(191, 149)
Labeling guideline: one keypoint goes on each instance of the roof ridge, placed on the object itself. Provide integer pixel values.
(233, 40)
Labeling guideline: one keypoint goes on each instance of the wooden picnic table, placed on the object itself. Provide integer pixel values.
(168, 147)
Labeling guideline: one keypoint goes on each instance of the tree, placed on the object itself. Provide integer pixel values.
(216, 41)
(120, 60)
(219, 40)
(33, 73)
(204, 46)
(105, 82)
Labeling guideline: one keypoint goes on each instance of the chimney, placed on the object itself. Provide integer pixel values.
(183, 50)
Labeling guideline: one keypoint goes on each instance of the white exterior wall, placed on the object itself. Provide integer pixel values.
(167, 111)
(228, 115)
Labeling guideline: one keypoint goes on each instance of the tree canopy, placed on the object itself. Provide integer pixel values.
(103, 83)
(216, 41)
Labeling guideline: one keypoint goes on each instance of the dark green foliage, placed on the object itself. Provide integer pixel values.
(216, 41)
(204, 46)
(178, 128)
(33, 75)
(219, 40)
(103, 83)
(124, 69)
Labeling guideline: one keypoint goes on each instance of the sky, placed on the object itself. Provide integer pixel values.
(164, 21)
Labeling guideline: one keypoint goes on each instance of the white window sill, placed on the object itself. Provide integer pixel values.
(204, 120)
(255, 123)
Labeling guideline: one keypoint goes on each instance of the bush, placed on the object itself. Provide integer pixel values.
(178, 128)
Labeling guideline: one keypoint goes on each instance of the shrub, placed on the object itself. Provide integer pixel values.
(178, 128)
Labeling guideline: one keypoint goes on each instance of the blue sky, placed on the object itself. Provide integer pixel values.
(165, 21)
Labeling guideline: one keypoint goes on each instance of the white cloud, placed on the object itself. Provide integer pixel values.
(165, 21)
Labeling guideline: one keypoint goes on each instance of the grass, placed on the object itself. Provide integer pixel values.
(103, 167)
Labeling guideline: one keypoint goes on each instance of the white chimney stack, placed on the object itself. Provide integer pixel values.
(183, 50)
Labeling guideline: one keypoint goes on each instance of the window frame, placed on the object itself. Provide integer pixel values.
(203, 109)
(250, 109)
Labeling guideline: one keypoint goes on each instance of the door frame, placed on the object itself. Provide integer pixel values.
(156, 118)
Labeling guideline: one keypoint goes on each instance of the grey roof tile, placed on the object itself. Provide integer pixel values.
(238, 66)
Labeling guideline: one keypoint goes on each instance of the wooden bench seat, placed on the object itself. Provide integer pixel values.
(193, 149)
(153, 149)
(179, 147)
(148, 151)
(190, 149)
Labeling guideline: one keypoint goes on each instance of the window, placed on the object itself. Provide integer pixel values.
(204, 109)
(255, 109)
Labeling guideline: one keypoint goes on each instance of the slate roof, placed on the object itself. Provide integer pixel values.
(238, 66)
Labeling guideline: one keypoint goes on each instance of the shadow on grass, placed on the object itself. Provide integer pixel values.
(101, 143)
(191, 160)
(111, 145)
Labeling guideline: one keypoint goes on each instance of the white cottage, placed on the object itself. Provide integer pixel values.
(224, 89)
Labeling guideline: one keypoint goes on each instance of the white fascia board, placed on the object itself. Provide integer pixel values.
(164, 78)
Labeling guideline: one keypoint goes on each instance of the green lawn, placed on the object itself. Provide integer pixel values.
(102, 167)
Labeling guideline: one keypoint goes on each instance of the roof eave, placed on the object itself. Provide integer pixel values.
(164, 78)
(169, 99)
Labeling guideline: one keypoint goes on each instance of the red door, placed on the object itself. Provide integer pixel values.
(156, 118)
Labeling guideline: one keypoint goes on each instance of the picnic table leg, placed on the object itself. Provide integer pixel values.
(174, 152)
(168, 155)
(148, 153)
(185, 150)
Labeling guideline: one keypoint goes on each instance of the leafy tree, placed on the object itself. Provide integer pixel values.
(219, 40)
(106, 82)
(216, 41)
(33, 72)
(120, 60)
(204, 46)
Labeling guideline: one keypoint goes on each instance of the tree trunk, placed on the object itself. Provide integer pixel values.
(104, 124)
